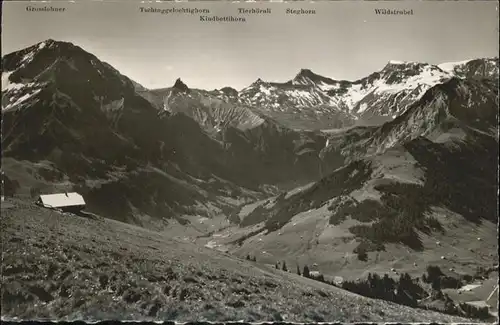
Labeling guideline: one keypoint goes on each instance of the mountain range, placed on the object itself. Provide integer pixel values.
(308, 171)
(63, 105)
(312, 102)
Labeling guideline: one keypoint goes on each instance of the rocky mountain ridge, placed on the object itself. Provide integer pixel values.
(312, 101)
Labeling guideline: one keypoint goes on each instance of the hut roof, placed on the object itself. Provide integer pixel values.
(60, 200)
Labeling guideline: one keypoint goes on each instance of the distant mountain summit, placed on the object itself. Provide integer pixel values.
(309, 99)
(51, 66)
(214, 111)
(307, 77)
(229, 91)
(180, 85)
(419, 73)
(476, 68)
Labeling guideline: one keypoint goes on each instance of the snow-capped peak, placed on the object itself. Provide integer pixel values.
(483, 68)
(258, 82)
(405, 63)
(49, 43)
(398, 62)
(450, 66)
(23, 58)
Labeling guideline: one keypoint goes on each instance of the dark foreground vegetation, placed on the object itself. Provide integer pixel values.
(412, 292)
(408, 291)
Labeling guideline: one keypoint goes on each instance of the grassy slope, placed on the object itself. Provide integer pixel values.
(308, 237)
(313, 240)
(333, 251)
(58, 266)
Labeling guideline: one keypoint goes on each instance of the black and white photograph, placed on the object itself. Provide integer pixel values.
(242, 161)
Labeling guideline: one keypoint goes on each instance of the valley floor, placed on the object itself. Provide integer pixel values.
(61, 266)
(309, 239)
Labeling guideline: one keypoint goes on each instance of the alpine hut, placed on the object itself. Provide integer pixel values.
(66, 202)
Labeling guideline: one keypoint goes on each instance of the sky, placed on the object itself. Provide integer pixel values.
(343, 40)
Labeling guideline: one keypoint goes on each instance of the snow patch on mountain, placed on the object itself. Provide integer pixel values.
(362, 108)
(354, 95)
(475, 68)
(450, 66)
(7, 84)
(27, 58)
(20, 100)
(265, 90)
(325, 86)
(399, 62)
(427, 78)
(14, 94)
